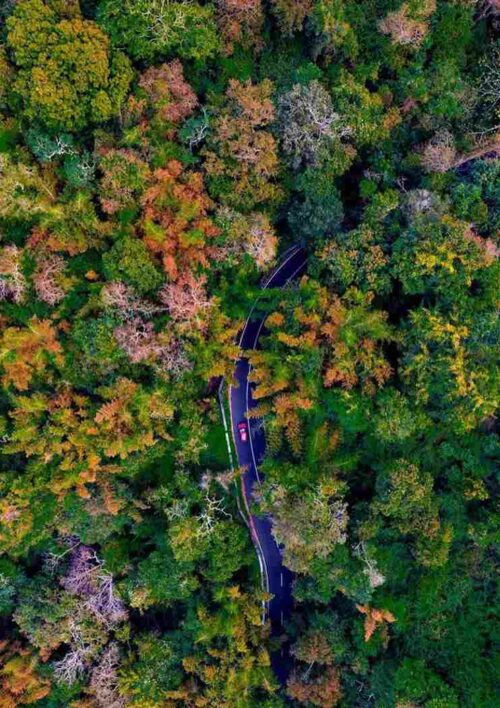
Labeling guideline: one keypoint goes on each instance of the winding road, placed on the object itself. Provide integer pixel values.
(276, 579)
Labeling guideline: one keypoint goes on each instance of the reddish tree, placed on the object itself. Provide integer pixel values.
(20, 683)
(240, 21)
(323, 691)
(374, 618)
(28, 351)
(175, 222)
(171, 98)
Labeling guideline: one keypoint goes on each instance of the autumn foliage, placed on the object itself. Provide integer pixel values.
(176, 224)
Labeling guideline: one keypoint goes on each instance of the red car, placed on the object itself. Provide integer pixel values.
(243, 431)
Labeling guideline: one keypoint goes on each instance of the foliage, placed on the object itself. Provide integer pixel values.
(157, 159)
(66, 75)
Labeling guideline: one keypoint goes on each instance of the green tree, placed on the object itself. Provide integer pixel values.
(66, 75)
(150, 29)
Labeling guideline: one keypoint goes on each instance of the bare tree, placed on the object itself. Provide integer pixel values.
(124, 299)
(439, 154)
(49, 267)
(104, 684)
(406, 27)
(75, 663)
(137, 339)
(12, 280)
(186, 300)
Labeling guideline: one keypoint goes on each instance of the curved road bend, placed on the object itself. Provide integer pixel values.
(277, 580)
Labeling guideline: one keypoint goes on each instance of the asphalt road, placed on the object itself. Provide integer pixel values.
(277, 579)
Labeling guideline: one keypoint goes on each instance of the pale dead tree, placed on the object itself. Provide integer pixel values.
(104, 604)
(70, 668)
(124, 299)
(199, 130)
(75, 663)
(488, 94)
(488, 10)
(375, 577)
(421, 203)
(104, 683)
(80, 578)
(137, 339)
(225, 479)
(309, 126)
(187, 301)
(208, 517)
(408, 28)
(261, 242)
(439, 154)
(52, 560)
(12, 280)
(172, 357)
(49, 267)
(178, 510)
(87, 579)
(166, 19)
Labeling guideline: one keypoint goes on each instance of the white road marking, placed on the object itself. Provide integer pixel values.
(281, 579)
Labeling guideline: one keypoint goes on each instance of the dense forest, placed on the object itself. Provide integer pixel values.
(157, 158)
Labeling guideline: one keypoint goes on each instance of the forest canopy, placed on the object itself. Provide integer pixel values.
(157, 160)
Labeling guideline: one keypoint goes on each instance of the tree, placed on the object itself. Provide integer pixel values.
(356, 258)
(322, 691)
(150, 29)
(66, 76)
(240, 22)
(405, 497)
(408, 25)
(124, 175)
(129, 260)
(310, 128)
(84, 442)
(170, 97)
(291, 14)
(448, 365)
(441, 259)
(241, 157)
(308, 525)
(175, 221)
(28, 353)
(319, 212)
